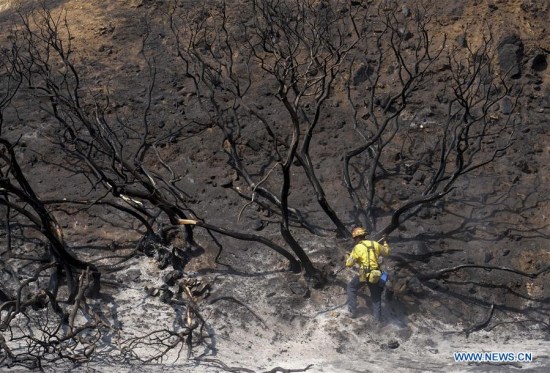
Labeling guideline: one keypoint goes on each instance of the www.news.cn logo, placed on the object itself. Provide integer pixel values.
(495, 357)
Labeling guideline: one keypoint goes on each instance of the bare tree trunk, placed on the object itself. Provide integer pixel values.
(45, 222)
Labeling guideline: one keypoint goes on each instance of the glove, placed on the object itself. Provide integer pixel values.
(386, 248)
(350, 261)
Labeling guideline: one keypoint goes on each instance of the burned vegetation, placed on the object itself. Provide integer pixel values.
(322, 115)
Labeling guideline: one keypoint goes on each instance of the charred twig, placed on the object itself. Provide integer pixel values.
(545, 324)
(233, 299)
(254, 187)
(443, 272)
(4, 346)
(82, 287)
(220, 364)
(482, 324)
(294, 264)
(283, 370)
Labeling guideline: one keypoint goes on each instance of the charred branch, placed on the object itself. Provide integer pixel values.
(446, 271)
(294, 264)
(34, 209)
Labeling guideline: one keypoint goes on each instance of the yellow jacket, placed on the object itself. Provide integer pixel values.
(366, 254)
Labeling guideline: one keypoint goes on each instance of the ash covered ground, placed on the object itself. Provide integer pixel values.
(259, 315)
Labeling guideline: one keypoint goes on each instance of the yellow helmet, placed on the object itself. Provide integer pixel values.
(358, 232)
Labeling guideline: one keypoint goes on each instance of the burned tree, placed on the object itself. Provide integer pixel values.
(111, 151)
(19, 198)
(292, 76)
(402, 142)
(371, 68)
(113, 155)
(274, 82)
(301, 49)
(303, 55)
(28, 297)
(16, 188)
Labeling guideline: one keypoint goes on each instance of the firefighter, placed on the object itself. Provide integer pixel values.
(365, 254)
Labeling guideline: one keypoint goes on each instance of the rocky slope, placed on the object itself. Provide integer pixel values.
(496, 218)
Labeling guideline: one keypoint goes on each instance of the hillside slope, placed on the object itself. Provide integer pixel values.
(258, 314)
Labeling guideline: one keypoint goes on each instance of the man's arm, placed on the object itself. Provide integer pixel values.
(351, 260)
(384, 249)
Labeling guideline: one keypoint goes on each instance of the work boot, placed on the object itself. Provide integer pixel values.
(348, 313)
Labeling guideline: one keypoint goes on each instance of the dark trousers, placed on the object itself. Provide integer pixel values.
(375, 294)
